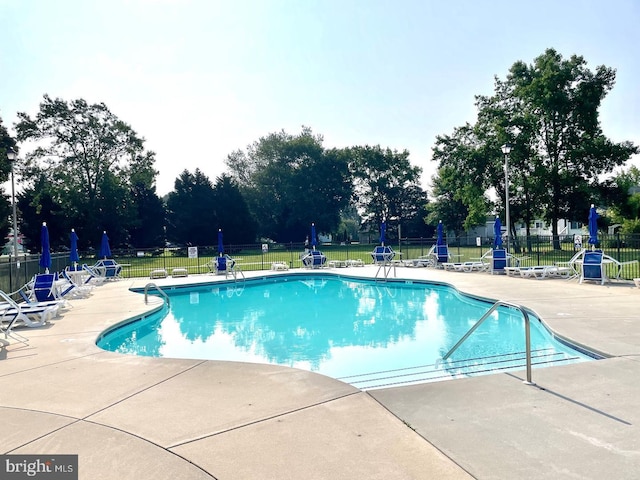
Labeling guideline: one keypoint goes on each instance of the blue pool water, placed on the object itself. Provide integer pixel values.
(367, 333)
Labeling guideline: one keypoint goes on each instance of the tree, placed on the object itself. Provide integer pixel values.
(6, 142)
(562, 98)
(191, 212)
(291, 181)
(624, 198)
(148, 228)
(89, 157)
(38, 204)
(233, 215)
(386, 185)
(460, 184)
(548, 111)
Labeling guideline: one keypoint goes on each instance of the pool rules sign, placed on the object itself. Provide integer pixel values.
(39, 467)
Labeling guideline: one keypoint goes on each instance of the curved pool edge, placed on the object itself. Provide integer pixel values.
(358, 274)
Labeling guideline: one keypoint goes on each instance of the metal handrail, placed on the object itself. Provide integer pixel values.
(527, 332)
(151, 284)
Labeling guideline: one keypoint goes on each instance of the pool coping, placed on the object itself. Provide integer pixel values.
(64, 394)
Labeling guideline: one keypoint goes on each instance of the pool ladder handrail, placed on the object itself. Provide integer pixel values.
(146, 291)
(527, 332)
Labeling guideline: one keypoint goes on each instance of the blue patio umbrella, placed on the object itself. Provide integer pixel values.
(383, 232)
(314, 241)
(440, 239)
(73, 254)
(593, 226)
(497, 232)
(105, 249)
(220, 243)
(45, 257)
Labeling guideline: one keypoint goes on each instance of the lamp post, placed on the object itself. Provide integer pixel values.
(506, 150)
(12, 156)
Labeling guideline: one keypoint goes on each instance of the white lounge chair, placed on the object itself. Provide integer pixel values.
(12, 313)
(354, 262)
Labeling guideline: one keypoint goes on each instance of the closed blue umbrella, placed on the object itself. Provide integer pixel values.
(593, 226)
(105, 249)
(383, 232)
(314, 241)
(497, 232)
(73, 254)
(440, 239)
(45, 257)
(220, 243)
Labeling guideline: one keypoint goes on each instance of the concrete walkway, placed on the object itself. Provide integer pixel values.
(137, 417)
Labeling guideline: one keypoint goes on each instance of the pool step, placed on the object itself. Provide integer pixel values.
(456, 369)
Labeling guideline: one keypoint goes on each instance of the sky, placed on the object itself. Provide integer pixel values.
(199, 79)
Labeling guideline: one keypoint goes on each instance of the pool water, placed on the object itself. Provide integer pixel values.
(371, 334)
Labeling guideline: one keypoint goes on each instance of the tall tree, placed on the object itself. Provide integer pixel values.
(386, 185)
(147, 228)
(233, 214)
(191, 210)
(563, 98)
(548, 111)
(461, 181)
(37, 203)
(88, 155)
(290, 181)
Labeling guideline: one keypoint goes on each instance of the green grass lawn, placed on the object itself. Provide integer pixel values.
(248, 259)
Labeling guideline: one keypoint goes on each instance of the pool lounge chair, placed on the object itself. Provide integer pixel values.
(223, 264)
(31, 316)
(95, 276)
(593, 267)
(111, 269)
(314, 259)
(439, 255)
(13, 313)
(382, 255)
(68, 284)
(464, 266)
(354, 262)
(27, 296)
(498, 260)
(45, 288)
(539, 271)
(421, 261)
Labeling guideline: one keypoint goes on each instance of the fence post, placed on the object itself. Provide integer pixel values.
(291, 253)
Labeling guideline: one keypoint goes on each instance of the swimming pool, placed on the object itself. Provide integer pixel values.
(367, 333)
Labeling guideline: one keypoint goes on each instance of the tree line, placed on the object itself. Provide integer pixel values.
(85, 168)
(90, 171)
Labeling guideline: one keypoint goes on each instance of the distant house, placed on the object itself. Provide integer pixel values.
(8, 246)
(540, 228)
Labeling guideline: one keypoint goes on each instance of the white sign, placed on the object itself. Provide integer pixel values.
(265, 248)
(193, 252)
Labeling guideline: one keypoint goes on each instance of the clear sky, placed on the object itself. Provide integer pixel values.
(199, 79)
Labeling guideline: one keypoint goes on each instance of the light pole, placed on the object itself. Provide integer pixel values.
(12, 156)
(506, 149)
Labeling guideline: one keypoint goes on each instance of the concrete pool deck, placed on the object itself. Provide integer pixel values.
(137, 417)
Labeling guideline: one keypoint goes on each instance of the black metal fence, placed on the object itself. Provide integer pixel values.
(538, 250)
